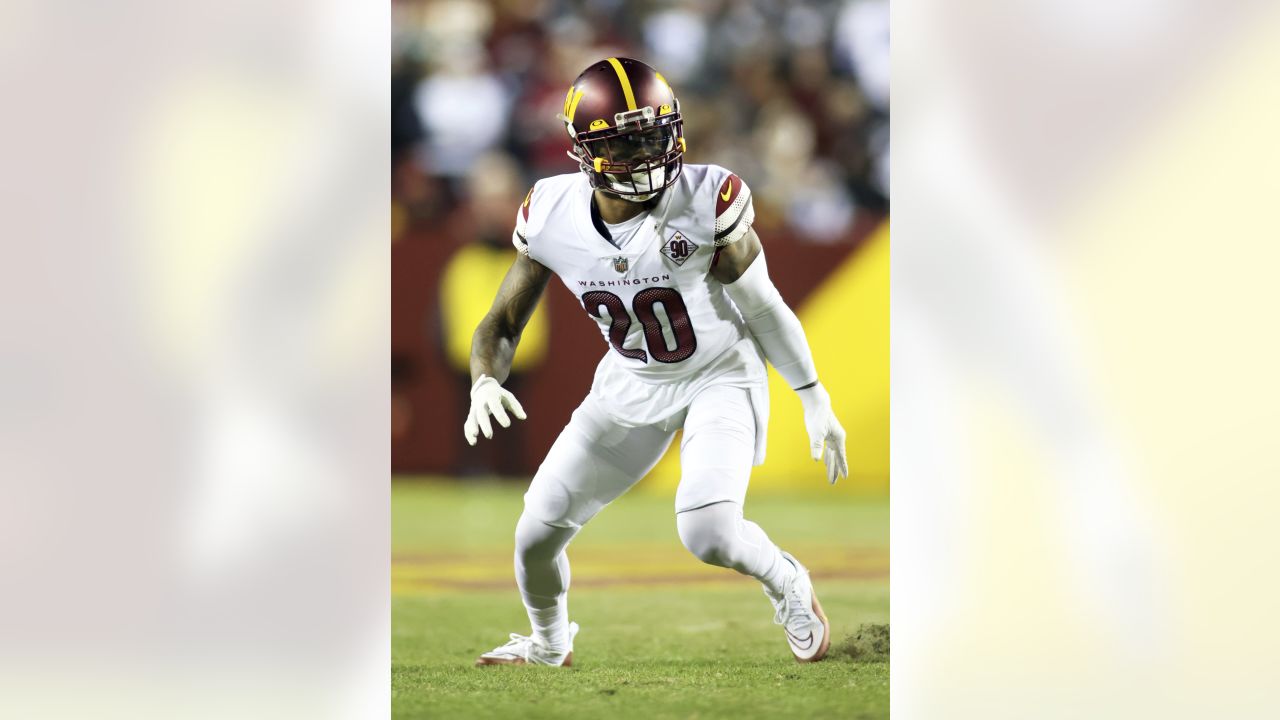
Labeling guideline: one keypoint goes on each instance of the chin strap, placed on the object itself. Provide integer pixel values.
(638, 198)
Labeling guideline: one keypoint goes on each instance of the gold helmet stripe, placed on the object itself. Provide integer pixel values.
(626, 83)
(571, 103)
(573, 106)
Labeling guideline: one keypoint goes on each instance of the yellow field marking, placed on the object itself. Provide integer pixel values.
(631, 565)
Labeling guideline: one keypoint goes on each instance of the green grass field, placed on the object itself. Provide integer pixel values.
(663, 636)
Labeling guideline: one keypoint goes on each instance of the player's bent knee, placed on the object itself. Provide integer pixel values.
(537, 540)
(549, 503)
(708, 552)
(707, 536)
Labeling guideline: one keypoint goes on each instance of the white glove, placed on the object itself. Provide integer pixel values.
(488, 398)
(824, 429)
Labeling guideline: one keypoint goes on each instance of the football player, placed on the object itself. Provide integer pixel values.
(663, 257)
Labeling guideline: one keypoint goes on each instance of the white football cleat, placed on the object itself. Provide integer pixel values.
(521, 650)
(801, 616)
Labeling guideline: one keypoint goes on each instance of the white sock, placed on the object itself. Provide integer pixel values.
(779, 575)
(551, 623)
(542, 572)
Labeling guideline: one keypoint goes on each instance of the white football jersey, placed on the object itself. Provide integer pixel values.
(660, 311)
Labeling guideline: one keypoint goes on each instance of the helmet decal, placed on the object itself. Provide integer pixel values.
(571, 102)
(625, 81)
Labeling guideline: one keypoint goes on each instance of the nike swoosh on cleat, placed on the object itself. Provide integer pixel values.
(797, 641)
(729, 190)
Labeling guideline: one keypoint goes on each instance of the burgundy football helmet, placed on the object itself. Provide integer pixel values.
(626, 128)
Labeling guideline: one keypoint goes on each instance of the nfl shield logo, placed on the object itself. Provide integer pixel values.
(620, 264)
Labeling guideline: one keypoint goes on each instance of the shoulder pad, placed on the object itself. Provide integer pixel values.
(734, 213)
(519, 238)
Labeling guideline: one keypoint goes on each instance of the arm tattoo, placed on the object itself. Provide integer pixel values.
(736, 258)
(494, 344)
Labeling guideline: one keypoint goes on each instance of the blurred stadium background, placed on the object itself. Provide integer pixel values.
(794, 98)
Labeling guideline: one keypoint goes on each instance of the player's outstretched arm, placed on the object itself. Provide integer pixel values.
(494, 345)
(745, 276)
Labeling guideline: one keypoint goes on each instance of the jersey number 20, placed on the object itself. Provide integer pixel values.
(643, 306)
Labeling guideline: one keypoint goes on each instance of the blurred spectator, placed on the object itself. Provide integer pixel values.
(818, 208)
(676, 40)
(463, 108)
(862, 44)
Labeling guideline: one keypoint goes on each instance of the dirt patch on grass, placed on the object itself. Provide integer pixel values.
(869, 644)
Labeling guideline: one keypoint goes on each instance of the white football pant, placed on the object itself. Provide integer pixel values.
(595, 460)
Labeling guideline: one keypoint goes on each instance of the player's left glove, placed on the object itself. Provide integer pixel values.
(826, 436)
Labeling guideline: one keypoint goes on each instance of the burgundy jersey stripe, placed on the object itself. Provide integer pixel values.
(727, 193)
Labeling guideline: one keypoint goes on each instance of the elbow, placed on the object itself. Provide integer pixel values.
(494, 328)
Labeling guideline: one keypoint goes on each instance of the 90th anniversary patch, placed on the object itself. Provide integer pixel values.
(679, 248)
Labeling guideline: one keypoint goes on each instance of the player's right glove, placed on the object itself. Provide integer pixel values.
(824, 430)
(489, 398)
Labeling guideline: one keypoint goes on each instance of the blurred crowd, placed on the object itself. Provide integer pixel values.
(792, 96)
